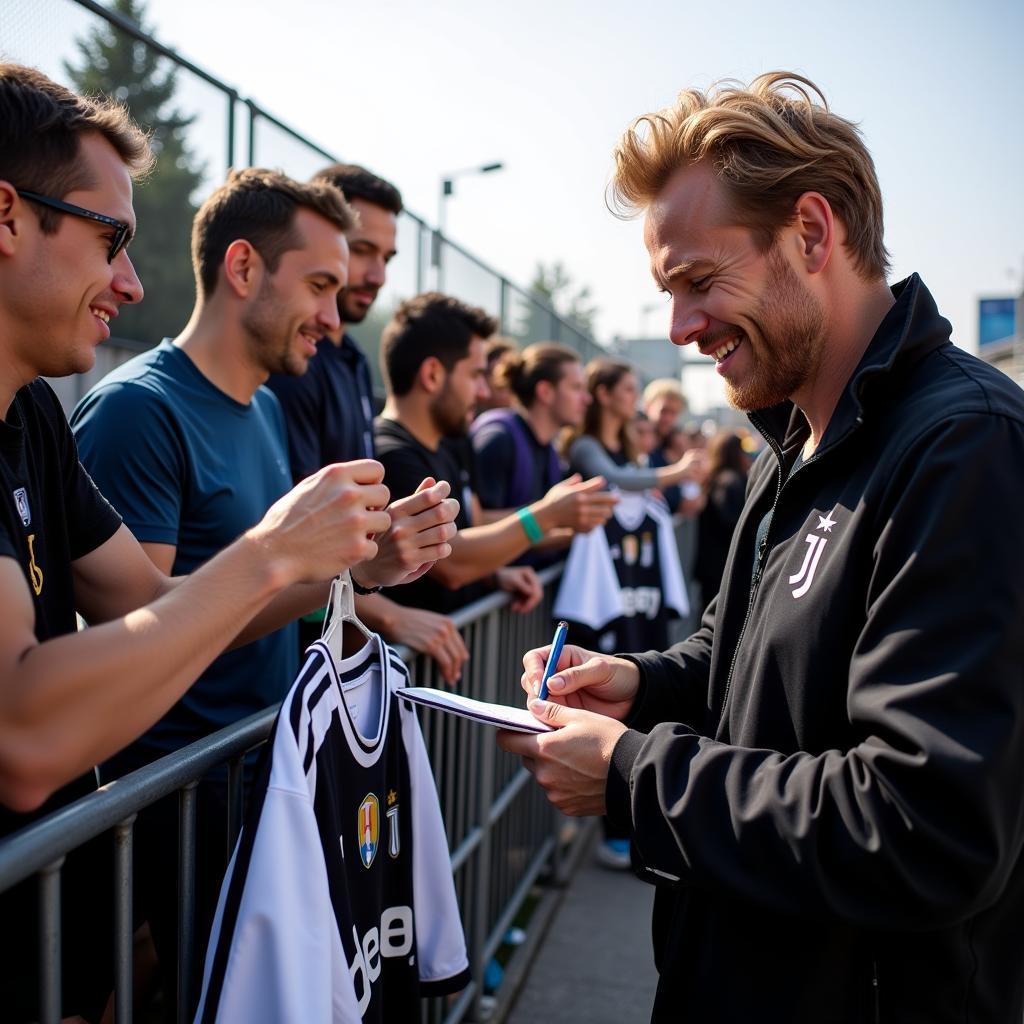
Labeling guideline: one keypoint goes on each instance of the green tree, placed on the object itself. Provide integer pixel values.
(118, 66)
(553, 283)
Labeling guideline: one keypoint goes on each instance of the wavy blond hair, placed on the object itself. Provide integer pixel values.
(769, 142)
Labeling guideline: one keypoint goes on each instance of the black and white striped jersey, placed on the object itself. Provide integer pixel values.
(338, 904)
(622, 583)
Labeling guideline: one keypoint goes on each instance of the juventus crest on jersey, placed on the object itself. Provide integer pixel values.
(338, 904)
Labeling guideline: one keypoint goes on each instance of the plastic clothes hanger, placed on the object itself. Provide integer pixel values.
(341, 610)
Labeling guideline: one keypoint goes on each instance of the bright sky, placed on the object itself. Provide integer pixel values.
(414, 90)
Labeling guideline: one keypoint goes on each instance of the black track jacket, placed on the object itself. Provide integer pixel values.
(827, 780)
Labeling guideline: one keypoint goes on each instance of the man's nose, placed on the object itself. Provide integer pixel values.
(327, 314)
(376, 272)
(688, 322)
(126, 283)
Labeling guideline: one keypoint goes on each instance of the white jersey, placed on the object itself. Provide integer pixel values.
(338, 904)
(628, 569)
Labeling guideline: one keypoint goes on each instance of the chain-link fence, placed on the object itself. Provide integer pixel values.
(201, 127)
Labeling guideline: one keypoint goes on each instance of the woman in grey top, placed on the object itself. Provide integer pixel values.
(604, 448)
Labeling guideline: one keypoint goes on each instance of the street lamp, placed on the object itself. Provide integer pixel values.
(448, 189)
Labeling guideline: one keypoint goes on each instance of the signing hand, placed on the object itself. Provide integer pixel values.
(583, 679)
(571, 763)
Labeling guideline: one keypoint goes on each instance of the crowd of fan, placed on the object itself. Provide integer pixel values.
(202, 438)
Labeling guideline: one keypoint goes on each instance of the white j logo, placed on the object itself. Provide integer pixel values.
(815, 546)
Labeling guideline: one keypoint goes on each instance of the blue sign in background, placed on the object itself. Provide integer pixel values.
(995, 320)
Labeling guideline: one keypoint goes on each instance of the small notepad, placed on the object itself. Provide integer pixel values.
(501, 716)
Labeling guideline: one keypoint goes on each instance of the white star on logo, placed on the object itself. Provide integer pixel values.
(826, 522)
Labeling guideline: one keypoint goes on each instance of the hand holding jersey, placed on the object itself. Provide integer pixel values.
(326, 523)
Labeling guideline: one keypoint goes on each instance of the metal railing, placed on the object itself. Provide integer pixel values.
(223, 129)
(501, 830)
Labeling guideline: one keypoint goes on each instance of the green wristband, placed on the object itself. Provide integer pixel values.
(530, 525)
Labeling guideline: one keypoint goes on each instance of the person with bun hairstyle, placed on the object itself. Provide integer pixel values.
(515, 450)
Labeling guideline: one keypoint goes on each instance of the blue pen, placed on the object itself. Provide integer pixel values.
(556, 652)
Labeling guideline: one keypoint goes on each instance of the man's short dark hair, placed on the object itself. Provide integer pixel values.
(259, 206)
(357, 182)
(41, 125)
(428, 325)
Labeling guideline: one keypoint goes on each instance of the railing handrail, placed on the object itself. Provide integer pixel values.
(31, 849)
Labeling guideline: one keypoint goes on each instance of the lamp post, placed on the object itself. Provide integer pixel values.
(448, 189)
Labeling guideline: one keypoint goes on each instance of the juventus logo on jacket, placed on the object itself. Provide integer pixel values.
(815, 547)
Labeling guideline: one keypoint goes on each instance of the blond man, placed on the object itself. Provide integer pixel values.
(824, 781)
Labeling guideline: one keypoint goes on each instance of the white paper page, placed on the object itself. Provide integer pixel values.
(502, 716)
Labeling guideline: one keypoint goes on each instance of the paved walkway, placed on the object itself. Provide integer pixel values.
(595, 964)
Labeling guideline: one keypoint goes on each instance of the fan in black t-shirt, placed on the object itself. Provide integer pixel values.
(51, 514)
(406, 462)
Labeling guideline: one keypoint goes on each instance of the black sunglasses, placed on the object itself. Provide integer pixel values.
(122, 231)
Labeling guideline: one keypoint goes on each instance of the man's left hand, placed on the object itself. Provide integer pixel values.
(570, 763)
(421, 527)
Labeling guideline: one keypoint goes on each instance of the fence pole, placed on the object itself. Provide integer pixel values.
(481, 879)
(123, 947)
(50, 943)
(230, 151)
(186, 897)
(252, 132)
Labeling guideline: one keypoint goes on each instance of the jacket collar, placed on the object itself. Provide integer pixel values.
(911, 329)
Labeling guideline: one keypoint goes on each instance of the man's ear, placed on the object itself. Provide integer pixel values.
(12, 209)
(242, 267)
(544, 392)
(431, 375)
(815, 228)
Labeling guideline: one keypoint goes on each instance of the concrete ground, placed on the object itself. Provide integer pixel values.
(595, 964)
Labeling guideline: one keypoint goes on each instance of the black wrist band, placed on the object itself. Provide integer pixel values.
(360, 589)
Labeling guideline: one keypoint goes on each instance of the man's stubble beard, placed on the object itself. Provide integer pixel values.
(792, 326)
(448, 415)
(269, 331)
(351, 316)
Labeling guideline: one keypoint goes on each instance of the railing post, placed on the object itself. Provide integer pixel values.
(485, 797)
(252, 132)
(50, 943)
(123, 946)
(503, 305)
(230, 153)
(420, 275)
(186, 897)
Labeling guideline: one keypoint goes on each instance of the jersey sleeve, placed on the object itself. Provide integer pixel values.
(141, 470)
(274, 948)
(440, 942)
(302, 404)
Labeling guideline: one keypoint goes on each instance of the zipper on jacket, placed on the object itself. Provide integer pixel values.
(762, 557)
